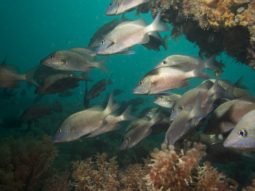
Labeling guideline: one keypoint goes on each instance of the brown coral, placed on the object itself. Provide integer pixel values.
(98, 174)
(25, 161)
(170, 170)
(209, 179)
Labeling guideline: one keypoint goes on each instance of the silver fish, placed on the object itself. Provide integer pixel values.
(83, 123)
(120, 6)
(167, 101)
(9, 77)
(227, 115)
(72, 60)
(111, 122)
(127, 34)
(165, 78)
(185, 121)
(155, 42)
(187, 63)
(138, 130)
(207, 96)
(242, 137)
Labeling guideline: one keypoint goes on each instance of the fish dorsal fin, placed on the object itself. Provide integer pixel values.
(140, 22)
(137, 23)
(110, 107)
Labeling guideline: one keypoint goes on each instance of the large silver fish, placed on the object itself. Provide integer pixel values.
(187, 63)
(127, 34)
(227, 115)
(242, 137)
(166, 78)
(138, 130)
(155, 42)
(185, 121)
(72, 60)
(111, 122)
(208, 94)
(83, 123)
(120, 6)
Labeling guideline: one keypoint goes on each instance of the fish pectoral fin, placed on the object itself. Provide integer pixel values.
(127, 52)
(146, 39)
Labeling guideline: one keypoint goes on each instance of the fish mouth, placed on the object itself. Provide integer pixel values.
(138, 91)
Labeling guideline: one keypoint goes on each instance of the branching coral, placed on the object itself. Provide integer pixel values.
(170, 170)
(215, 25)
(24, 162)
(209, 179)
(132, 178)
(98, 174)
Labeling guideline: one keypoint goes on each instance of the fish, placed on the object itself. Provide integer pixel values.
(117, 7)
(127, 34)
(96, 89)
(84, 122)
(59, 83)
(72, 61)
(242, 137)
(188, 63)
(227, 115)
(165, 78)
(9, 78)
(138, 130)
(208, 93)
(186, 120)
(155, 41)
(37, 111)
(167, 100)
(111, 122)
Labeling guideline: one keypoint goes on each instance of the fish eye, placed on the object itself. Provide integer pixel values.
(243, 133)
(102, 42)
(140, 83)
(164, 62)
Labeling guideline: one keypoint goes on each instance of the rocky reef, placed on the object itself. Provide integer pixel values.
(215, 26)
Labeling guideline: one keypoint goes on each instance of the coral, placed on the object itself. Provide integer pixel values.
(209, 179)
(132, 178)
(215, 25)
(25, 161)
(98, 174)
(170, 170)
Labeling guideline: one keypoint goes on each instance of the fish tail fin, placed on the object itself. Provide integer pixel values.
(197, 73)
(214, 65)
(29, 78)
(100, 65)
(125, 116)
(110, 107)
(157, 25)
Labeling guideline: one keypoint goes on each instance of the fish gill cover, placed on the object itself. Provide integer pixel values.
(89, 89)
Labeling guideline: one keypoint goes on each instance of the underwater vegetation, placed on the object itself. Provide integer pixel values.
(168, 168)
(24, 161)
(215, 26)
